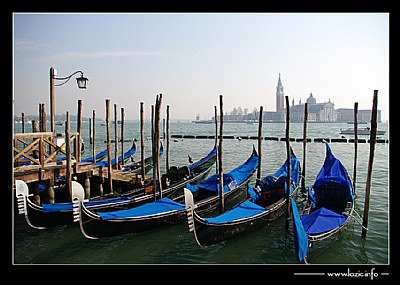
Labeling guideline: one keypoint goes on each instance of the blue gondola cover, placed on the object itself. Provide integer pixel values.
(322, 220)
(243, 210)
(300, 235)
(231, 179)
(212, 153)
(157, 207)
(67, 206)
(126, 156)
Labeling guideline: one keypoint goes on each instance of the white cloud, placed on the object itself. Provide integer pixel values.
(66, 56)
(23, 45)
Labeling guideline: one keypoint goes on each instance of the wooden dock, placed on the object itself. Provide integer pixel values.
(35, 163)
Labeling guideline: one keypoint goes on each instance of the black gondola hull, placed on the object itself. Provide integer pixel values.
(207, 234)
(96, 227)
(39, 218)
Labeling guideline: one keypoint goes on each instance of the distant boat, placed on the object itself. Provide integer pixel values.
(59, 123)
(361, 131)
(359, 122)
(203, 121)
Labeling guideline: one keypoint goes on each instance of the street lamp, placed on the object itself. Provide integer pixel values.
(81, 81)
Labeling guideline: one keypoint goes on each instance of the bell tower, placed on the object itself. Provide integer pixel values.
(280, 96)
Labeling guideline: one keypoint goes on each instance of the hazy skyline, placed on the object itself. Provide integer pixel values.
(192, 58)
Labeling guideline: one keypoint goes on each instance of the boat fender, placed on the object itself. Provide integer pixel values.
(149, 189)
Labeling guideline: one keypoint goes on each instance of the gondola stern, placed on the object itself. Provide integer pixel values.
(78, 196)
(22, 194)
(189, 203)
(254, 152)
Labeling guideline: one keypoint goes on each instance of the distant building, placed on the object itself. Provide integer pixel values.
(317, 112)
(364, 116)
(280, 96)
(279, 114)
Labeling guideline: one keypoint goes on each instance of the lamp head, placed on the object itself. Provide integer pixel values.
(81, 81)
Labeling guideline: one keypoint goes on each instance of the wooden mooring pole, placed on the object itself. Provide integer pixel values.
(157, 142)
(153, 153)
(167, 141)
(221, 173)
(370, 162)
(142, 140)
(288, 155)
(109, 166)
(36, 195)
(216, 139)
(90, 131)
(122, 135)
(68, 151)
(78, 142)
(260, 123)
(23, 122)
(94, 135)
(42, 118)
(303, 178)
(116, 136)
(355, 145)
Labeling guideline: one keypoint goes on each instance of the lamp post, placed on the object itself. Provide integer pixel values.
(81, 81)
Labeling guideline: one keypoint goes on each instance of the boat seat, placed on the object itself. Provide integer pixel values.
(332, 197)
(173, 174)
(183, 172)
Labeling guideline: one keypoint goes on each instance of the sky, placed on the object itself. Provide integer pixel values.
(193, 58)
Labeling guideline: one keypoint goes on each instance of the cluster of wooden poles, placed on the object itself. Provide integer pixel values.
(155, 132)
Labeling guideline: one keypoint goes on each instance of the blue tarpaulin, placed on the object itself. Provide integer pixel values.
(333, 175)
(249, 209)
(231, 179)
(322, 220)
(300, 235)
(67, 206)
(126, 156)
(278, 179)
(100, 155)
(157, 207)
(243, 210)
(199, 162)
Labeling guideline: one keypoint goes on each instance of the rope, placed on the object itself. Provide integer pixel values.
(360, 222)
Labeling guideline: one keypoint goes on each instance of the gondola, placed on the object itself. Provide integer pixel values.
(99, 156)
(135, 166)
(164, 211)
(127, 155)
(48, 215)
(328, 210)
(266, 203)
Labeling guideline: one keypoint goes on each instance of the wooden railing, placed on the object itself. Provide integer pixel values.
(40, 148)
